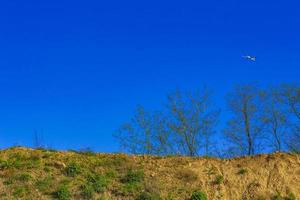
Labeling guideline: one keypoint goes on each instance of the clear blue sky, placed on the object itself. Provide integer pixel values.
(75, 70)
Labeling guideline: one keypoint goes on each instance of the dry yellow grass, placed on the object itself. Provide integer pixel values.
(38, 174)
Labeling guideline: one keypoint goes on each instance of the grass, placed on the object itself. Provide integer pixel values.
(73, 169)
(187, 175)
(24, 177)
(242, 171)
(43, 174)
(291, 196)
(62, 193)
(198, 195)
(218, 180)
(44, 184)
(133, 176)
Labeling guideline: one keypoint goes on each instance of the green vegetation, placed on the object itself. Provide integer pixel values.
(24, 177)
(290, 196)
(277, 196)
(242, 171)
(260, 198)
(72, 175)
(198, 195)
(73, 169)
(44, 184)
(87, 191)
(62, 193)
(218, 180)
(20, 191)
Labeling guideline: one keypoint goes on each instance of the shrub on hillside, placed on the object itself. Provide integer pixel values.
(133, 176)
(198, 195)
(87, 191)
(72, 169)
(98, 182)
(218, 180)
(242, 171)
(62, 193)
(290, 196)
(277, 196)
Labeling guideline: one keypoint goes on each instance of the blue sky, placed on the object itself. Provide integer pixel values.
(75, 70)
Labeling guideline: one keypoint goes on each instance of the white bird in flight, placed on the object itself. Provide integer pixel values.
(252, 58)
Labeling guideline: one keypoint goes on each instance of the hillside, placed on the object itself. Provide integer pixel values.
(45, 174)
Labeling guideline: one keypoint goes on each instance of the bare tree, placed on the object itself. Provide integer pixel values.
(191, 121)
(183, 127)
(145, 134)
(275, 118)
(245, 126)
(290, 97)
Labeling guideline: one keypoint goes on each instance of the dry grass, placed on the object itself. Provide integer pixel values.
(43, 174)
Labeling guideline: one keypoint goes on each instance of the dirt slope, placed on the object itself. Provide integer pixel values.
(43, 174)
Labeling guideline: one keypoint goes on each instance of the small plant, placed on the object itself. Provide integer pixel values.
(4, 164)
(20, 191)
(290, 196)
(62, 193)
(260, 198)
(44, 184)
(277, 196)
(130, 189)
(25, 177)
(133, 176)
(98, 182)
(111, 174)
(148, 196)
(87, 191)
(218, 180)
(9, 181)
(72, 170)
(198, 195)
(242, 171)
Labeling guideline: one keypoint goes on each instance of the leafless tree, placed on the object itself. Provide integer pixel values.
(245, 126)
(183, 127)
(290, 97)
(191, 121)
(275, 118)
(145, 134)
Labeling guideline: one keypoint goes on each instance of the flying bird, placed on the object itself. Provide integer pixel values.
(252, 58)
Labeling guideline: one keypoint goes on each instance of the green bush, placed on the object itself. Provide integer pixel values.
(130, 189)
(43, 185)
(72, 170)
(25, 177)
(4, 164)
(218, 180)
(133, 176)
(87, 191)
(62, 193)
(277, 196)
(260, 198)
(290, 196)
(20, 191)
(242, 171)
(198, 195)
(98, 182)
